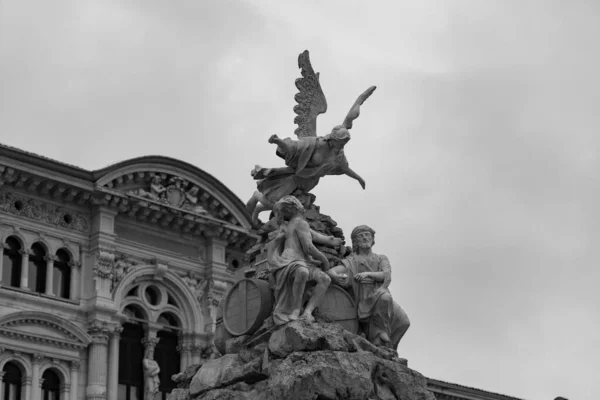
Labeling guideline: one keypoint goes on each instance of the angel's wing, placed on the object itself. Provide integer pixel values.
(355, 110)
(311, 100)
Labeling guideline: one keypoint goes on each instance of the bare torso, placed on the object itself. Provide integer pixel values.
(293, 247)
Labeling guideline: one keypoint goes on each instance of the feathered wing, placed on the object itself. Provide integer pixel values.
(355, 110)
(311, 100)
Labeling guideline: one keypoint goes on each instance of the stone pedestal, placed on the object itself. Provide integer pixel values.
(301, 361)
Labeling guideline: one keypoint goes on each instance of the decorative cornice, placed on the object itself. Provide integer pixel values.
(43, 212)
(54, 342)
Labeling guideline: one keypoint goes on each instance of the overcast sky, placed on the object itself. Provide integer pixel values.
(479, 147)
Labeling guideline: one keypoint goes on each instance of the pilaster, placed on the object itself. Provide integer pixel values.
(97, 361)
(74, 367)
(113, 360)
(36, 382)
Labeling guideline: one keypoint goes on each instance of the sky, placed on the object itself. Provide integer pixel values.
(479, 148)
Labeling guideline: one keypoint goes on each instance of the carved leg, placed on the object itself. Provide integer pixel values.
(251, 204)
(323, 281)
(300, 278)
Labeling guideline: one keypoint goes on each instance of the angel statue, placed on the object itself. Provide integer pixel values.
(311, 157)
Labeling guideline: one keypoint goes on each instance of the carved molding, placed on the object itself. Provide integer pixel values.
(48, 213)
(103, 267)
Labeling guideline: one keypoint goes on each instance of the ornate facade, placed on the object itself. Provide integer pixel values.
(98, 266)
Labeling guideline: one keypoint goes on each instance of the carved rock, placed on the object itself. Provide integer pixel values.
(303, 360)
(303, 336)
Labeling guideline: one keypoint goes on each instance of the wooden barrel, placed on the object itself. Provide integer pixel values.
(221, 336)
(247, 304)
(337, 306)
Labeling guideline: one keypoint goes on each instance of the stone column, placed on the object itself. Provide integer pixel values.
(97, 358)
(26, 387)
(50, 274)
(6, 284)
(1, 382)
(74, 380)
(197, 353)
(25, 268)
(185, 353)
(113, 363)
(36, 382)
(74, 285)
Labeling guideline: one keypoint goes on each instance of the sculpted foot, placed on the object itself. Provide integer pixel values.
(294, 315)
(307, 317)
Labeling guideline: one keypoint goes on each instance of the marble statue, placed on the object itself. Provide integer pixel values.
(151, 371)
(294, 260)
(311, 157)
(368, 276)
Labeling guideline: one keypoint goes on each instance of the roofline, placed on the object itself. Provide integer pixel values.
(45, 162)
(469, 390)
(92, 176)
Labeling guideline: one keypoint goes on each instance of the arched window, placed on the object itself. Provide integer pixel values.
(50, 385)
(62, 274)
(168, 358)
(11, 263)
(11, 381)
(37, 268)
(131, 354)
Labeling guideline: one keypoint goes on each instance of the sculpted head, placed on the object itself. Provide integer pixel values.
(287, 207)
(338, 137)
(363, 237)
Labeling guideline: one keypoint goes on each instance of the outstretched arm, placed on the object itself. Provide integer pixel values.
(319, 238)
(284, 145)
(354, 175)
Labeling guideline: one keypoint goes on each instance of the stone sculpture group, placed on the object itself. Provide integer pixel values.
(293, 260)
(312, 318)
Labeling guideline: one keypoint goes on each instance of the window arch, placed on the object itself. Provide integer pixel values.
(37, 268)
(11, 262)
(61, 284)
(11, 381)
(50, 385)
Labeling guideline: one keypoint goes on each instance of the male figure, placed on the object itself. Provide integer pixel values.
(369, 275)
(291, 263)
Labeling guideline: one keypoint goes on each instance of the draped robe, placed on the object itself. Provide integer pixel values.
(376, 309)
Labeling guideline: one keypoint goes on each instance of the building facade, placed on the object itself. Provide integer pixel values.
(98, 267)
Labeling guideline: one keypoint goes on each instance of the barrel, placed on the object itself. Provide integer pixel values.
(338, 307)
(221, 336)
(245, 307)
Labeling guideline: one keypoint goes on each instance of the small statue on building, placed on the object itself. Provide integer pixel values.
(191, 201)
(291, 262)
(311, 157)
(151, 371)
(369, 275)
(155, 192)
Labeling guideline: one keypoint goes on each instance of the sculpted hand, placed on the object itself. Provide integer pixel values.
(362, 183)
(336, 242)
(273, 138)
(362, 276)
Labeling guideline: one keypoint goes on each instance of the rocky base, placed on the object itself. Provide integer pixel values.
(303, 360)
